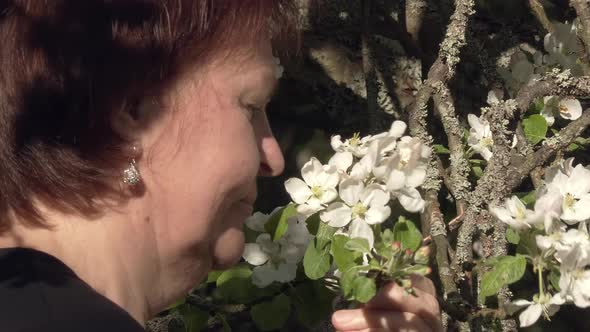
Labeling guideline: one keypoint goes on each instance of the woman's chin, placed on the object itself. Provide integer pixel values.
(227, 248)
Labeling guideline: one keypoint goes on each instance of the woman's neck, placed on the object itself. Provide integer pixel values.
(112, 254)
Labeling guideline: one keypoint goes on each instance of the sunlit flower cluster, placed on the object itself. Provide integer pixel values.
(559, 223)
(353, 190)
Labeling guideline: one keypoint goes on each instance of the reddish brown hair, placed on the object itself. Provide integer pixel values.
(67, 65)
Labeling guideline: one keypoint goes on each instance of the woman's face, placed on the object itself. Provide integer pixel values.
(201, 160)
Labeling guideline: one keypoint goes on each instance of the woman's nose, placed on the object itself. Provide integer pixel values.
(272, 162)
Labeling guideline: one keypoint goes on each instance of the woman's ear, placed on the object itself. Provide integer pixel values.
(134, 117)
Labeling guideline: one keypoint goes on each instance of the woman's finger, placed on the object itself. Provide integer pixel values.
(393, 297)
(423, 283)
(363, 319)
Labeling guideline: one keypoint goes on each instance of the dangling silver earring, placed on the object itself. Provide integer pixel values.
(131, 176)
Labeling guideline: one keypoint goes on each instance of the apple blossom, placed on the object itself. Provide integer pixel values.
(575, 190)
(567, 108)
(317, 188)
(480, 136)
(574, 281)
(541, 304)
(277, 260)
(356, 145)
(360, 205)
(515, 214)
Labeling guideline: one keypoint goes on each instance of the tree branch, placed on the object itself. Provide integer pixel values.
(583, 10)
(539, 13)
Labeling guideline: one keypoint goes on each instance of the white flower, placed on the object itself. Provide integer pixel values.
(548, 209)
(563, 242)
(257, 221)
(564, 166)
(540, 305)
(317, 188)
(277, 261)
(356, 145)
(574, 282)
(342, 161)
(567, 108)
(362, 205)
(368, 204)
(410, 199)
(515, 214)
(480, 136)
(575, 190)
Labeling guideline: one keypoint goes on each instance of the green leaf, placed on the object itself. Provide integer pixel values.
(312, 291)
(477, 171)
(440, 149)
(527, 244)
(342, 257)
(507, 270)
(527, 198)
(213, 276)
(554, 276)
(346, 281)
(277, 223)
(235, 285)
(358, 244)
(407, 234)
(194, 319)
(316, 262)
(535, 128)
(271, 315)
(313, 223)
(324, 235)
(387, 237)
(512, 236)
(364, 289)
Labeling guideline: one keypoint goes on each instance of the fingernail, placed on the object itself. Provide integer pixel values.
(343, 317)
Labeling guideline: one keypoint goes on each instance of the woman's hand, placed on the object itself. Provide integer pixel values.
(392, 310)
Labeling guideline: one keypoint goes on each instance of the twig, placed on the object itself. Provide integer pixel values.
(369, 68)
(539, 13)
(415, 11)
(583, 10)
(459, 168)
(555, 83)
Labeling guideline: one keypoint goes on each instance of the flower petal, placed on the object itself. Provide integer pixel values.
(577, 212)
(530, 315)
(263, 276)
(310, 171)
(285, 272)
(411, 200)
(377, 214)
(257, 221)
(351, 190)
(337, 215)
(341, 160)
(396, 181)
(254, 254)
(298, 190)
(359, 228)
(570, 109)
(398, 128)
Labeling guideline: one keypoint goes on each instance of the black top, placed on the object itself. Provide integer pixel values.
(39, 293)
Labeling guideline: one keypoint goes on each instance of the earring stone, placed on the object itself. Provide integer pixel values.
(131, 174)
